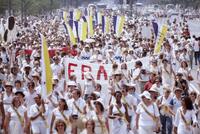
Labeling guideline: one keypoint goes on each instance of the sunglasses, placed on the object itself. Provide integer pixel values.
(60, 125)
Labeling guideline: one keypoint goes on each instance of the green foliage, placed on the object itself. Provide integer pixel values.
(33, 7)
(184, 3)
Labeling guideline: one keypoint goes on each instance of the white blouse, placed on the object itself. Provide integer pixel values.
(189, 117)
(144, 118)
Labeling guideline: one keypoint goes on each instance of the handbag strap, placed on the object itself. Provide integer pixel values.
(63, 115)
(183, 117)
(102, 124)
(152, 116)
(79, 110)
(19, 116)
(123, 115)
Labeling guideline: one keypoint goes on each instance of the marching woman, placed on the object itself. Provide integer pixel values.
(61, 113)
(147, 115)
(89, 127)
(99, 117)
(7, 95)
(166, 72)
(118, 112)
(16, 118)
(185, 117)
(60, 127)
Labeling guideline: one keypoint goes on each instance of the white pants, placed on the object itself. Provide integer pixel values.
(145, 130)
(183, 130)
(119, 127)
(15, 127)
(196, 130)
(39, 128)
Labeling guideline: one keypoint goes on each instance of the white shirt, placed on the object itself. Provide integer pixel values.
(56, 68)
(145, 119)
(34, 110)
(196, 46)
(59, 116)
(29, 98)
(175, 103)
(80, 103)
(13, 115)
(131, 101)
(189, 116)
(89, 87)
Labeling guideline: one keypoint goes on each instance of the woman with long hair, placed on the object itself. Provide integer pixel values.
(61, 113)
(89, 127)
(16, 118)
(184, 69)
(185, 117)
(60, 127)
(99, 117)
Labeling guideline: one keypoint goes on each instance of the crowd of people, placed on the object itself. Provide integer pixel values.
(157, 99)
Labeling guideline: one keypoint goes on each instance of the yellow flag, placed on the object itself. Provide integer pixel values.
(160, 40)
(77, 14)
(90, 27)
(121, 25)
(84, 31)
(107, 26)
(71, 34)
(65, 16)
(46, 69)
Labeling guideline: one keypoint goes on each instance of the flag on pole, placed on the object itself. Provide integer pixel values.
(83, 31)
(71, 34)
(68, 28)
(107, 25)
(46, 69)
(120, 20)
(77, 14)
(155, 28)
(65, 15)
(90, 26)
(160, 40)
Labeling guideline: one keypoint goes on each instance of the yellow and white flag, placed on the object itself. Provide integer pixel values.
(119, 25)
(90, 26)
(107, 25)
(46, 69)
(71, 34)
(83, 31)
(160, 39)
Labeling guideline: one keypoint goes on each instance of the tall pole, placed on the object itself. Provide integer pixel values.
(131, 7)
(9, 7)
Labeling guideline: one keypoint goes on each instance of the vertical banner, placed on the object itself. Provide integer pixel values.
(46, 69)
(160, 40)
(90, 26)
(119, 25)
(155, 28)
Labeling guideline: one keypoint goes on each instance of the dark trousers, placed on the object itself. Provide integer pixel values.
(166, 122)
(197, 57)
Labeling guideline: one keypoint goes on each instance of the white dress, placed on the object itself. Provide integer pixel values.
(179, 121)
(119, 126)
(15, 126)
(166, 75)
(99, 128)
(146, 123)
(59, 116)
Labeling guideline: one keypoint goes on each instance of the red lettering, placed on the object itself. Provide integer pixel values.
(100, 71)
(70, 69)
(85, 68)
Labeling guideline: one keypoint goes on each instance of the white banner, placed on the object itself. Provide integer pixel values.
(100, 72)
